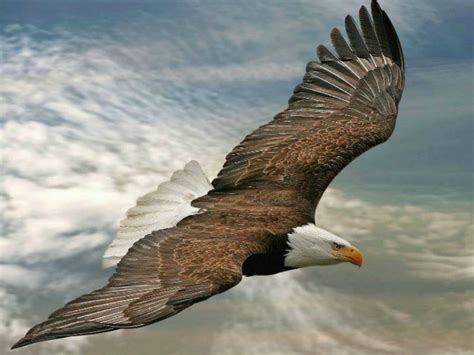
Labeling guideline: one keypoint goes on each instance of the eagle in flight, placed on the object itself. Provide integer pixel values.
(191, 239)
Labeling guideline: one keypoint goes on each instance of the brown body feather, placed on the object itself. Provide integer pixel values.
(270, 184)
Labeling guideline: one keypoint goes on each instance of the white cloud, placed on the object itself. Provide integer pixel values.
(284, 316)
(19, 276)
(436, 245)
(13, 326)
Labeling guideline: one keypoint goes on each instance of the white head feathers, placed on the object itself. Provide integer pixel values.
(311, 245)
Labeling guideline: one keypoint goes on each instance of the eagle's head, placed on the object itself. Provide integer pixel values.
(310, 245)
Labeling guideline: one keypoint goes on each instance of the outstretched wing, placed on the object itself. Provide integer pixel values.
(163, 273)
(345, 105)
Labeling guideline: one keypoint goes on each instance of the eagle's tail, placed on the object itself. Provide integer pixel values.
(61, 327)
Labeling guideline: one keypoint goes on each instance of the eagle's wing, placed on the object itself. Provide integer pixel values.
(163, 273)
(345, 105)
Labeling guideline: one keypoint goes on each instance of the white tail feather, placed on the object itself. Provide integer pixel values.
(160, 209)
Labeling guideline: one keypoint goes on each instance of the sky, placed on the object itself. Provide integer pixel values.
(100, 101)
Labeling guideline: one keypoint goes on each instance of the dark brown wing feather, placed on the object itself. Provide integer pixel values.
(168, 271)
(345, 105)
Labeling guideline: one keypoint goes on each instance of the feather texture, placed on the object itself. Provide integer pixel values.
(345, 105)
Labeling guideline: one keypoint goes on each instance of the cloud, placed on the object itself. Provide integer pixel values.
(284, 316)
(435, 244)
(13, 326)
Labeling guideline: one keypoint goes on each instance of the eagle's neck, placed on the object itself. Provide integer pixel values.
(268, 263)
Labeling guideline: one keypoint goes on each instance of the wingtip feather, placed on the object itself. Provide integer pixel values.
(394, 41)
(57, 327)
(369, 31)
(30, 337)
(34, 335)
(340, 45)
(28, 340)
(355, 38)
(20, 343)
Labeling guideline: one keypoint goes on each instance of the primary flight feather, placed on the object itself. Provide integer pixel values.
(191, 239)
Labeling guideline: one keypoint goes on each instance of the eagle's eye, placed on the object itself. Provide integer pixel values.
(336, 246)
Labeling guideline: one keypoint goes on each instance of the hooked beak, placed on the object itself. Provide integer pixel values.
(351, 254)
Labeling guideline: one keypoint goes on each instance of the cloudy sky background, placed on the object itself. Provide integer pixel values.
(100, 101)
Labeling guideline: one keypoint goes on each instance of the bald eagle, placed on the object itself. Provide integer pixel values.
(191, 239)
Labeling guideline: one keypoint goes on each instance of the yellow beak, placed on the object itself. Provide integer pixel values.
(351, 254)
